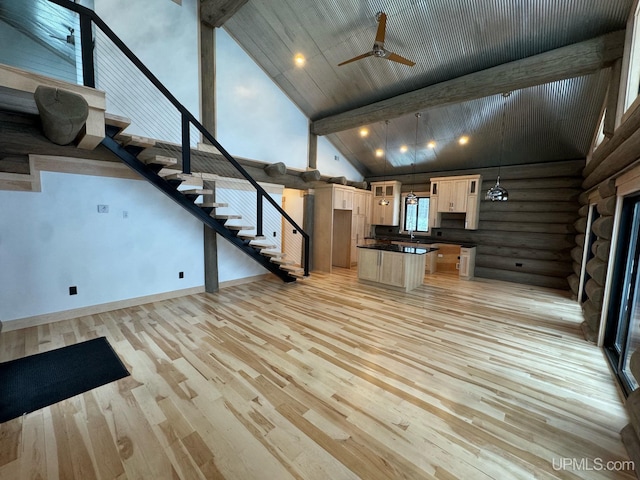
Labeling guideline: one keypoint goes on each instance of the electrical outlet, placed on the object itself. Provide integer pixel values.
(180, 274)
(103, 208)
(73, 290)
(275, 234)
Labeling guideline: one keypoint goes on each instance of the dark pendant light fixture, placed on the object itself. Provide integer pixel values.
(383, 201)
(498, 193)
(412, 198)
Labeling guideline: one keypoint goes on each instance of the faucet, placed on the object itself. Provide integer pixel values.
(411, 234)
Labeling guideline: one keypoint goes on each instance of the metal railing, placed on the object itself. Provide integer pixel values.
(107, 63)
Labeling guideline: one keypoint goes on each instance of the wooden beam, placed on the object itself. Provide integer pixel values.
(216, 12)
(566, 62)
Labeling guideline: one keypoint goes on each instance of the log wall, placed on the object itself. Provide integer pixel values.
(528, 239)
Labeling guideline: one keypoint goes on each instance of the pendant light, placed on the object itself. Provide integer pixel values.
(498, 192)
(412, 198)
(383, 201)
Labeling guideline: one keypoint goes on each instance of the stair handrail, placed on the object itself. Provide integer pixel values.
(87, 16)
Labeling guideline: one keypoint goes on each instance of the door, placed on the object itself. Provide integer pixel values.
(622, 335)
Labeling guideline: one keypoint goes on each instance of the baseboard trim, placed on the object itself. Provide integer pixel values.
(10, 325)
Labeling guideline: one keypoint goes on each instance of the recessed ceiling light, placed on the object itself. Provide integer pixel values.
(463, 140)
(379, 152)
(403, 148)
(431, 144)
(299, 59)
(364, 132)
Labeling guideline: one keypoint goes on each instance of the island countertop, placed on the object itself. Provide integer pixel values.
(399, 248)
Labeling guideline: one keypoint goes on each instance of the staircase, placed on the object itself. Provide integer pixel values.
(136, 152)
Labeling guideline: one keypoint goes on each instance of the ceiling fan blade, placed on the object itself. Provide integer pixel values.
(359, 57)
(394, 57)
(382, 27)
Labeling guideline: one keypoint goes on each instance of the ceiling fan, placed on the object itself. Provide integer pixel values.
(378, 46)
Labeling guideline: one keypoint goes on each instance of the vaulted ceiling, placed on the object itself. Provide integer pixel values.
(554, 57)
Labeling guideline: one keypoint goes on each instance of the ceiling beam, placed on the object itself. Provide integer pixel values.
(216, 12)
(571, 61)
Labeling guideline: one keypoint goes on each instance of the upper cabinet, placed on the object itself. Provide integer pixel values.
(342, 198)
(386, 214)
(455, 195)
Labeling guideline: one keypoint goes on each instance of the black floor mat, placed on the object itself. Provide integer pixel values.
(30, 383)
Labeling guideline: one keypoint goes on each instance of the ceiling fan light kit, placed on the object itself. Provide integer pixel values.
(383, 201)
(412, 198)
(378, 49)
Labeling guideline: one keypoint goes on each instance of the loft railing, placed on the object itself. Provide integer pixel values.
(179, 130)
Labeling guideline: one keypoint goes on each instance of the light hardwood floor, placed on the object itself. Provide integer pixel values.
(330, 379)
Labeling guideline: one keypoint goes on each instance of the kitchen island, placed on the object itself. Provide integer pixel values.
(394, 266)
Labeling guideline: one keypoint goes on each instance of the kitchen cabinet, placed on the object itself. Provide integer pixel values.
(396, 269)
(386, 214)
(360, 221)
(343, 198)
(455, 195)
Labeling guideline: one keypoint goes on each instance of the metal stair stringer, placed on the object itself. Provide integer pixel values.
(171, 191)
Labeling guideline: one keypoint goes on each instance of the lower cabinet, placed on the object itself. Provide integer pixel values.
(467, 262)
(393, 269)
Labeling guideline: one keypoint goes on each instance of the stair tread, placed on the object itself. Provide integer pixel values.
(116, 121)
(282, 261)
(135, 141)
(197, 191)
(251, 236)
(212, 205)
(299, 275)
(240, 227)
(227, 217)
(262, 245)
(158, 160)
(291, 268)
(272, 253)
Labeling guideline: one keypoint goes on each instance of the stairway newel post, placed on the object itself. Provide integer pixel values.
(186, 146)
(259, 214)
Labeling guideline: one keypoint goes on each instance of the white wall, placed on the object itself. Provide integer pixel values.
(328, 165)
(254, 118)
(56, 238)
(165, 37)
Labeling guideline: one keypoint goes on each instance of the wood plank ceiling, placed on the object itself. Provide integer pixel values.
(554, 56)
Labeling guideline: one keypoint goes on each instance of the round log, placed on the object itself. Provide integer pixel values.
(597, 269)
(311, 176)
(360, 185)
(591, 315)
(580, 239)
(275, 169)
(607, 188)
(576, 268)
(607, 206)
(584, 211)
(581, 224)
(583, 198)
(603, 227)
(574, 283)
(63, 114)
(604, 248)
(634, 363)
(594, 291)
(576, 254)
(338, 180)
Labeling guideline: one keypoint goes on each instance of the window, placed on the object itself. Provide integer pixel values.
(416, 217)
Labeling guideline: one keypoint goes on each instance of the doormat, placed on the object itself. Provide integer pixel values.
(30, 383)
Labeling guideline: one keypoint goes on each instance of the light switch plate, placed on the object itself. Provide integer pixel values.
(103, 208)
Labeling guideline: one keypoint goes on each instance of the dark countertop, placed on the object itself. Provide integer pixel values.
(398, 248)
(418, 241)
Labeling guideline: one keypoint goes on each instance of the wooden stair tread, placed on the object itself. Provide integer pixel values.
(240, 227)
(281, 261)
(185, 178)
(212, 205)
(251, 236)
(135, 141)
(227, 217)
(299, 275)
(262, 245)
(272, 253)
(158, 160)
(198, 191)
(291, 268)
(116, 121)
